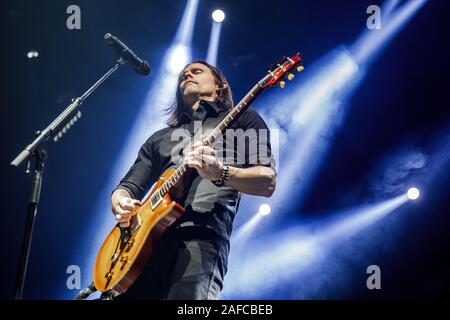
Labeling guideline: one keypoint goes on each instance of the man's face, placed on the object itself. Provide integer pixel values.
(197, 82)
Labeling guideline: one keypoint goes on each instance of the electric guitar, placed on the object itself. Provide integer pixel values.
(126, 250)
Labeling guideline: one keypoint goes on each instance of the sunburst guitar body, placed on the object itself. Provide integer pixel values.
(125, 251)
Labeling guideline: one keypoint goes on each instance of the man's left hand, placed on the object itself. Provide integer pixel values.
(205, 161)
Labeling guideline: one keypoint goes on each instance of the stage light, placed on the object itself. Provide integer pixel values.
(264, 209)
(178, 58)
(244, 232)
(32, 54)
(214, 38)
(413, 193)
(218, 16)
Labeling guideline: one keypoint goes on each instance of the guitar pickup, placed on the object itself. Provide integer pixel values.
(155, 199)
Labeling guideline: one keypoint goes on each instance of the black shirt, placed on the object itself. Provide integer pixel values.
(207, 205)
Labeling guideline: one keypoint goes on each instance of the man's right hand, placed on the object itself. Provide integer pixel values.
(123, 207)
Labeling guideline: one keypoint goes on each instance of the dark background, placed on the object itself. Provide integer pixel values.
(404, 96)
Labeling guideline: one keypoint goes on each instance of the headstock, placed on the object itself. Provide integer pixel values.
(282, 69)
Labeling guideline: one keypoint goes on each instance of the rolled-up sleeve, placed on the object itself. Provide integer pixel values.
(143, 173)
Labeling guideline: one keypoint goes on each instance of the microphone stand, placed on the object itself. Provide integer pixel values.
(57, 128)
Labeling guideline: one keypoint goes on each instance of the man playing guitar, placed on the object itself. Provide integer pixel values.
(190, 260)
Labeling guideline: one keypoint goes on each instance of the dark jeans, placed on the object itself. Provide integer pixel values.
(188, 264)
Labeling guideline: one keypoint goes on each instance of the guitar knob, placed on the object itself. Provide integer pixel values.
(130, 245)
(290, 76)
(282, 84)
(124, 261)
(109, 275)
(300, 68)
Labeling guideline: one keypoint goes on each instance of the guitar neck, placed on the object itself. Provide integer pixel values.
(234, 114)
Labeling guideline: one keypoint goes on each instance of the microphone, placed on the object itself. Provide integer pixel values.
(140, 66)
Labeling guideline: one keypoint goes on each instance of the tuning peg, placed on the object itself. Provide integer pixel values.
(290, 76)
(282, 84)
(300, 68)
